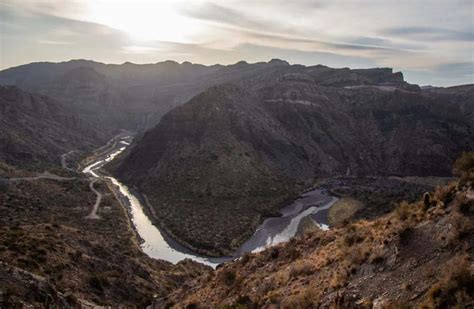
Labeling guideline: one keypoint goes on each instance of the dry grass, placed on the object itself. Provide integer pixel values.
(456, 287)
(343, 210)
(302, 299)
(301, 268)
(464, 164)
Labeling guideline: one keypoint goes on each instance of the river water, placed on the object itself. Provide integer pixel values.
(312, 205)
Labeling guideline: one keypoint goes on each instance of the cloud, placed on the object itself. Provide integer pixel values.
(337, 33)
(431, 34)
(224, 15)
(458, 69)
(49, 42)
(134, 49)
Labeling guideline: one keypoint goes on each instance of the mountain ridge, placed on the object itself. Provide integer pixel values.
(297, 131)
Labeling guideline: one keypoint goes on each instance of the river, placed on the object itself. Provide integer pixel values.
(154, 243)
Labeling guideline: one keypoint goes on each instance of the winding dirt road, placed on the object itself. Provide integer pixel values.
(93, 214)
(44, 175)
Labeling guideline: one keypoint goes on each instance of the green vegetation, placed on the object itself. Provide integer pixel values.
(464, 164)
(343, 210)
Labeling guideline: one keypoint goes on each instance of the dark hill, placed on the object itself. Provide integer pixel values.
(236, 152)
(35, 130)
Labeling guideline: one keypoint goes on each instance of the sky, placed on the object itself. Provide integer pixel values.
(430, 41)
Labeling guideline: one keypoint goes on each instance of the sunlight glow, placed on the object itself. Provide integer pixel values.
(144, 20)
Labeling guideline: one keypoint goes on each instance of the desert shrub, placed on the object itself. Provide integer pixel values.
(460, 226)
(98, 282)
(242, 302)
(352, 236)
(266, 286)
(303, 268)
(445, 193)
(72, 300)
(404, 234)
(272, 253)
(405, 211)
(305, 299)
(227, 277)
(245, 258)
(464, 205)
(292, 253)
(455, 288)
(357, 255)
(464, 164)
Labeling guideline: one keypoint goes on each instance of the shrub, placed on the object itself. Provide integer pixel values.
(455, 288)
(402, 211)
(445, 193)
(98, 282)
(305, 299)
(272, 253)
(404, 234)
(245, 258)
(303, 268)
(227, 277)
(464, 164)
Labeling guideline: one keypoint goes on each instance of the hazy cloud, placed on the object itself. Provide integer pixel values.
(429, 34)
(338, 33)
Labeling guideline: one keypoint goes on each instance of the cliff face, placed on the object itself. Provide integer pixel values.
(237, 151)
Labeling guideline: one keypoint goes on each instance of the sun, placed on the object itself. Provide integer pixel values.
(145, 20)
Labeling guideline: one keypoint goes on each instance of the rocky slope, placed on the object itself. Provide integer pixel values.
(52, 255)
(237, 151)
(420, 255)
(35, 130)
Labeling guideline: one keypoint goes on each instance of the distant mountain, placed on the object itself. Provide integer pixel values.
(121, 96)
(35, 130)
(133, 96)
(237, 151)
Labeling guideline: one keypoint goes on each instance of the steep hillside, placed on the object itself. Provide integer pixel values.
(197, 165)
(35, 130)
(420, 255)
(236, 152)
(53, 255)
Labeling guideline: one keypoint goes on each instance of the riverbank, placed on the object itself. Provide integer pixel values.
(157, 241)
